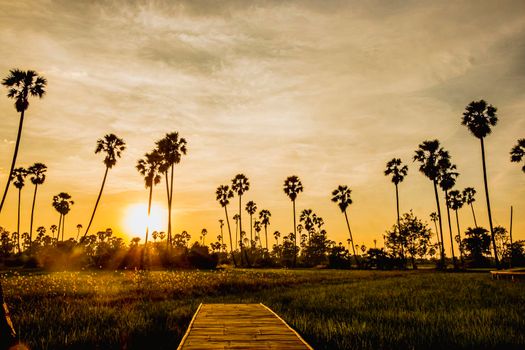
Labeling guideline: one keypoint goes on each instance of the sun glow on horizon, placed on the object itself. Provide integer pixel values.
(136, 219)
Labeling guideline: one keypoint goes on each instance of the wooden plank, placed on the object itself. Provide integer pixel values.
(240, 326)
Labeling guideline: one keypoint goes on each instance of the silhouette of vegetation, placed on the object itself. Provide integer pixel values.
(469, 196)
(292, 187)
(251, 208)
(447, 180)
(517, 152)
(394, 167)
(223, 196)
(37, 172)
(240, 185)
(341, 196)
(62, 203)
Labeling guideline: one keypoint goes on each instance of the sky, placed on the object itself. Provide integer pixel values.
(325, 90)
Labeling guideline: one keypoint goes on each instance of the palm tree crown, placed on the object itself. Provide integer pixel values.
(37, 172)
(455, 200)
(468, 195)
(171, 148)
(22, 84)
(341, 196)
(18, 177)
(149, 168)
(517, 152)
(223, 195)
(112, 146)
(292, 187)
(62, 203)
(479, 117)
(240, 184)
(251, 207)
(430, 155)
(398, 172)
(264, 215)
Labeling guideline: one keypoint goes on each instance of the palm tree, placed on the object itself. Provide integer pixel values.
(37, 172)
(265, 215)
(468, 195)
(276, 235)
(341, 196)
(148, 167)
(112, 146)
(18, 176)
(223, 195)
(62, 203)
(221, 225)
(171, 148)
(479, 117)
(20, 85)
(240, 185)
(455, 202)
(307, 217)
(434, 219)
(236, 219)
(292, 187)
(398, 172)
(251, 208)
(447, 180)
(428, 155)
(53, 229)
(517, 153)
(79, 227)
(204, 232)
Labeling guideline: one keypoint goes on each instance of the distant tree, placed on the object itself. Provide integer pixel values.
(479, 117)
(223, 195)
(292, 187)
(264, 216)
(434, 219)
(341, 196)
(307, 218)
(18, 176)
(62, 203)
(204, 232)
(37, 172)
(79, 227)
(469, 196)
(276, 235)
(148, 167)
(251, 208)
(53, 228)
(112, 146)
(477, 244)
(455, 202)
(447, 180)
(171, 148)
(240, 185)
(429, 154)
(518, 152)
(221, 225)
(20, 86)
(394, 167)
(257, 226)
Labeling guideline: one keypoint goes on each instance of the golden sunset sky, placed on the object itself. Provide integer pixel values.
(326, 90)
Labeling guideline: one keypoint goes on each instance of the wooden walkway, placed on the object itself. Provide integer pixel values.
(239, 326)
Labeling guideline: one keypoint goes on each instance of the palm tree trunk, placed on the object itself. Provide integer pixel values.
(437, 233)
(440, 226)
(236, 234)
(168, 240)
(222, 241)
(147, 229)
(351, 239)
(488, 203)
(13, 162)
(63, 226)
(510, 234)
(251, 230)
(399, 222)
(18, 219)
(32, 217)
(459, 236)
(473, 214)
(294, 235)
(450, 232)
(171, 199)
(266, 236)
(59, 226)
(96, 204)
(230, 233)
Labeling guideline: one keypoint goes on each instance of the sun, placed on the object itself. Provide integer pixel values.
(136, 219)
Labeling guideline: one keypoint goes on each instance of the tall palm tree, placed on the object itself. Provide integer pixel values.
(18, 176)
(221, 225)
(517, 152)
(112, 146)
(428, 155)
(148, 167)
(171, 148)
(251, 208)
(240, 185)
(434, 219)
(307, 217)
(62, 203)
(468, 195)
(37, 172)
(341, 196)
(292, 187)
(20, 86)
(479, 117)
(236, 219)
(265, 215)
(447, 180)
(276, 235)
(79, 227)
(398, 172)
(455, 202)
(223, 195)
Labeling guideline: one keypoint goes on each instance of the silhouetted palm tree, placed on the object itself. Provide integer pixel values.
(292, 187)
(18, 176)
(79, 227)
(37, 172)
(265, 215)
(221, 225)
(20, 85)
(398, 172)
(468, 195)
(204, 232)
(307, 217)
(62, 203)
(53, 228)
(171, 148)
(148, 167)
(434, 218)
(479, 117)
(341, 196)
(240, 185)
(251, 208)
(428, 155)
(223, 195)
(236, 219)
(112, 146)
(455, 202)
(447, 180)
(517, 152)
(276, 235)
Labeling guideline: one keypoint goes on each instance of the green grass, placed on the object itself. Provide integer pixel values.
(331, 309)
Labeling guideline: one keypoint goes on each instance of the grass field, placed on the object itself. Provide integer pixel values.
(331, 309)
